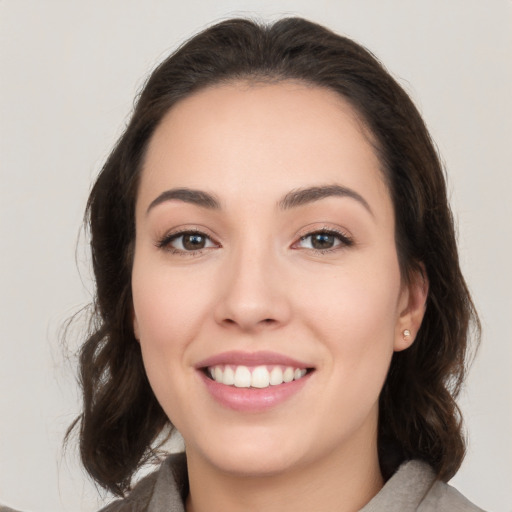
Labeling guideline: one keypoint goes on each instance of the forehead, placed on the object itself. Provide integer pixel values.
(245, 138)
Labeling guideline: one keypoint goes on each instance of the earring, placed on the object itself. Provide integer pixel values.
(406, 333)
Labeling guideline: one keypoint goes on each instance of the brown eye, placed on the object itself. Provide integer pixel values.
(193, 242)
(186, 242)
(322, 241)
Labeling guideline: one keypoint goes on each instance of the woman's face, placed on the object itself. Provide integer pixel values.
(265, 252)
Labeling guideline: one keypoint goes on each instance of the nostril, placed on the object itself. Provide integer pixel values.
(265, 321)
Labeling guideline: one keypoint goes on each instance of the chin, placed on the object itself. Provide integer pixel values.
(248, 454)
(254, 462)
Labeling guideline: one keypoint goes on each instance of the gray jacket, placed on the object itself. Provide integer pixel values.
(412, 488)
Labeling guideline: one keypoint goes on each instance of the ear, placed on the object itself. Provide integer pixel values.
(411, 308)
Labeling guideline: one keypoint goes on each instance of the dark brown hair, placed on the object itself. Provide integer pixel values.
(419, 418)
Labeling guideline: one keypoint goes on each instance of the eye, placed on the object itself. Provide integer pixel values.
(324, 240)
(186, 241)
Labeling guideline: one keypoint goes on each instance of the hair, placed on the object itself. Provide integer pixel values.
(419, 418)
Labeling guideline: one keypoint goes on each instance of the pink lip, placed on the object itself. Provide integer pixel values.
(236, 357)
(252, 399)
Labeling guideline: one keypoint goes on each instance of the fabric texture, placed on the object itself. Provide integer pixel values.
(413, 488)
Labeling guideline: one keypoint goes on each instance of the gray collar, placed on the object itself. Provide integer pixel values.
(406, 489)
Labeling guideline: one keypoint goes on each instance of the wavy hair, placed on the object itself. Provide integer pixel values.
(419, 418)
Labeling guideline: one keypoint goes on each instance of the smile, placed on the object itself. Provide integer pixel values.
(253, 382)
(259, 377)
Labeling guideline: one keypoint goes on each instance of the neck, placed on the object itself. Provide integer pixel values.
(341, 482)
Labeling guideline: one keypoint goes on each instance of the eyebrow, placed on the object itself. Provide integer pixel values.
(305, 196)
(187, 195)
(292, 199)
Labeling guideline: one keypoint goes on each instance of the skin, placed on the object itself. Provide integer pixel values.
(259, 285)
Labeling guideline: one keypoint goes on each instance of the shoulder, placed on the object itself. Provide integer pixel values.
(442, 496)
(163, 489)
(414, 488)
(138, 499)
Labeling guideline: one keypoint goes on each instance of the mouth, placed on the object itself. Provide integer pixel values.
(259, 377)
(253, 382)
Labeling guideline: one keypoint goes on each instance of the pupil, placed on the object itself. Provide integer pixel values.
(193, 242)
(323, 241)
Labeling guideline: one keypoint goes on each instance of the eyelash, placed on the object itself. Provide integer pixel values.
(344, 240)
(165, 242)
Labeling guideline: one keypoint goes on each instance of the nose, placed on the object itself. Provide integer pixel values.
(252, 294)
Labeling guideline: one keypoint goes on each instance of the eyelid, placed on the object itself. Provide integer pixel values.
(164, 242)
(345, 239)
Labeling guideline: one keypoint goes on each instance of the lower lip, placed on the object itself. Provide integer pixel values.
(253, 399)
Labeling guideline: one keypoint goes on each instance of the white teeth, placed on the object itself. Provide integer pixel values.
(260, 377)
(299, 373)
(242, 377)
(276, 376)
(229, 376)
(255, 377)
(288, 375)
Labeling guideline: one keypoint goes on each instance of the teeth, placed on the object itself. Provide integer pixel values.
(255, 377)
(299, 373)
(276, 376)
(288, 375)
(242, 377)
(228, 377)
(260, 377)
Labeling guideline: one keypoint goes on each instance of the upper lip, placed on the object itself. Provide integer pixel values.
(240, 358)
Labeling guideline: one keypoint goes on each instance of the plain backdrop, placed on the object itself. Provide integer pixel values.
(69, 71)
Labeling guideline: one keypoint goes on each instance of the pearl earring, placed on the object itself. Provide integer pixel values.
(406, 333)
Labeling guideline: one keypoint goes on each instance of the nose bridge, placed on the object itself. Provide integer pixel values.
(252, 293)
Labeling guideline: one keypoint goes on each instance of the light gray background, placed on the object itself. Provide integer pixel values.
(69, 71)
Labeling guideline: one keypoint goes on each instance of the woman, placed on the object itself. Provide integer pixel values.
(277, 278)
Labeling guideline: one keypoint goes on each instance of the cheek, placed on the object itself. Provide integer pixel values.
(168, 314)
(154, 311)
(363, 295)
(355, 312)
(167, 303)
